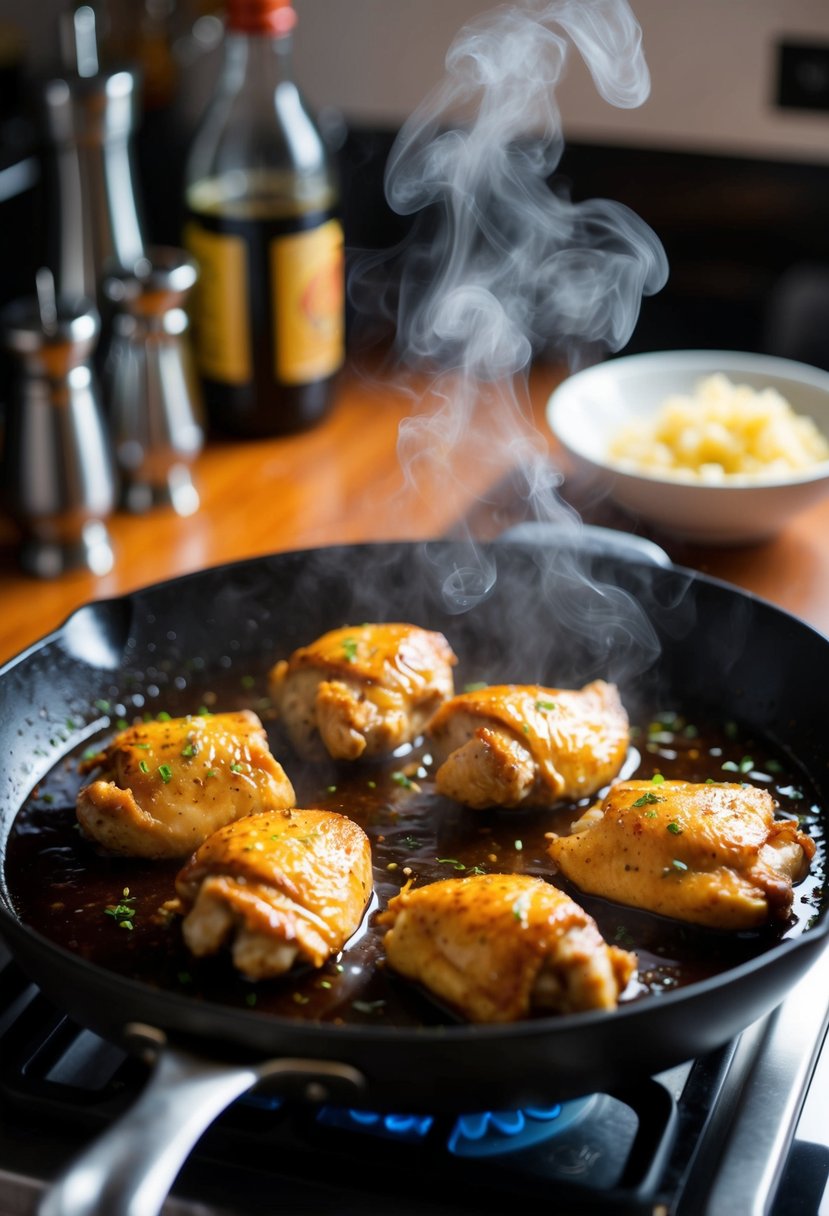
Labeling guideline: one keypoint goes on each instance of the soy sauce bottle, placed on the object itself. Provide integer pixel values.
(261, 222)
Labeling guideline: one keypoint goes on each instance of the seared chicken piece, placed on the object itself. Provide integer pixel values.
(165, 786)
(362, 690)
(711, 854)
(522, 745)
(498, 947)
(285, 886)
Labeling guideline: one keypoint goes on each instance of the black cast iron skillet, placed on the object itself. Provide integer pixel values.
(542, 613)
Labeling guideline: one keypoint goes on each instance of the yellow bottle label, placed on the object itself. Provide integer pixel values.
(308, 303)
(221, 320)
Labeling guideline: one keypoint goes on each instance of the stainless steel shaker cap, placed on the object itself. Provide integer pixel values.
(66, 336)
(157, 282)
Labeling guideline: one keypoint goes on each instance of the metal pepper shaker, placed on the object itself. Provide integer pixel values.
(58, 473)
(88, 117)
(152, 389)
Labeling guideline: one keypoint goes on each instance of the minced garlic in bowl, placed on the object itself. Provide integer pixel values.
(724, 432)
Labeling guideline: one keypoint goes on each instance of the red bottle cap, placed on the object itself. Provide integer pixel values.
(274, 17)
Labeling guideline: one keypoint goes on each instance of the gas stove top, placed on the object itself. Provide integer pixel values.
(743, 1131)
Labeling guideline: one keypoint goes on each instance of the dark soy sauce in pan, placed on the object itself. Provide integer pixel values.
(63, 886)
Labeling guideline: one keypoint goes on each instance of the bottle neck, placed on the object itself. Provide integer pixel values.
(257, 59)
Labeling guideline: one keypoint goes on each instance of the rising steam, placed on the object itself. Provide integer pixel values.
(500, 263)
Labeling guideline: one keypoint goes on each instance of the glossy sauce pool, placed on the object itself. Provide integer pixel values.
(63, 886)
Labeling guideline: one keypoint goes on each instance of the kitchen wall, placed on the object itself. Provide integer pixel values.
(713, 65)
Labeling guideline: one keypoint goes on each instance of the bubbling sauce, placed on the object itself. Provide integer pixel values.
(105, 909)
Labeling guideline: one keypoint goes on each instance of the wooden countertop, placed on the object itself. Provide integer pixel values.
(343, 482)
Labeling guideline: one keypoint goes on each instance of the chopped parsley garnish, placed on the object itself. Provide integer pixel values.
(350, 649)
(402, 780)
(657, 779)
(450, 861)
(519, 908)
(647, 799)
(144, 766)
(475, 686)
(104, 706)
(368, 1006)
(188, 750)
(675, 829)
(165, 773)
(123, 913)
(211, 772)
(545, 705)
(162, 716)
(236, 767)
(745, 765)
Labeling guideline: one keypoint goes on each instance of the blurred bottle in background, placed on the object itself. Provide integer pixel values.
(262, 223)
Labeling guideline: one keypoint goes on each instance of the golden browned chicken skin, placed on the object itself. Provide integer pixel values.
(164, 786)
(283, 887)
(499, 947)
(524, 745)
(711, 854)
(362, 690)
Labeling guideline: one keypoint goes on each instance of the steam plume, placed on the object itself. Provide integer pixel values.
(500, 263)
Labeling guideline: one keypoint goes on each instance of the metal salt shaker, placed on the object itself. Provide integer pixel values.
(89, 116)
(152, 389)
(58, 473)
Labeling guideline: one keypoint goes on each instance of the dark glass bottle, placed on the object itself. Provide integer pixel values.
(261, 202)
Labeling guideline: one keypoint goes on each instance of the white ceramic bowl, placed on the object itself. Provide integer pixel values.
(587, 410)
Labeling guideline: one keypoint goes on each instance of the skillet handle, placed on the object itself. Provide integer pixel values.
(128, 1171)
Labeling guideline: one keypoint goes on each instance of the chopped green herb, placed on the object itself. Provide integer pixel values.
(350, 649)
(676, 864)
(236, 767)
(247, 681)
(189, 749)
(450, 861)
(122, 724)
(411, 842)
(123, 913)
(649, 814)
(299, 998)
(475, 686)
(144, 766)
(372, 785)
(519, 908)
(402, 780)
(325, 984)
(103, 706)
(162, 716)
(647, 798)
(545, 705)
(330, 789)
(675, 829)
(165, 773)
(203, 712)
(745, 765)
(211, 772)
(476, 870)
(143, 746)
(657, 779)
(518, 845)
(250, 999)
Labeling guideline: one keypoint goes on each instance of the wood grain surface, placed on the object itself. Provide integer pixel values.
(399, 458)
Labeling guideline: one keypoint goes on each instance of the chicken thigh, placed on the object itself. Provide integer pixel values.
(523, 745)
(711, 854)
(362, 690)
(164, 786)
(499, 947)
(286, 886)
